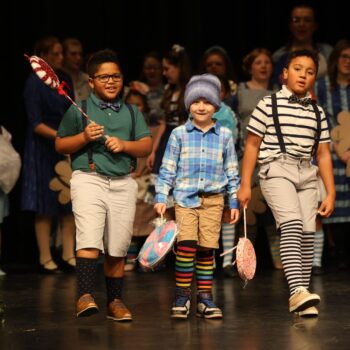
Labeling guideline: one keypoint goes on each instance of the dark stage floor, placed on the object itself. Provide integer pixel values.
(40, 314)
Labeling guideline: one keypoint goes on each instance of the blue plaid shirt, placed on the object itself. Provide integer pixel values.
(197, 161)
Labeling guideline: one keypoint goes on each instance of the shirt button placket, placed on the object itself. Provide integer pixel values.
(201, 167)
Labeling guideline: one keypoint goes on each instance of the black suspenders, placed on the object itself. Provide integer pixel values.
(318, 134)
(133, 160)
(278, 127)
(276, 123)
(92, 165)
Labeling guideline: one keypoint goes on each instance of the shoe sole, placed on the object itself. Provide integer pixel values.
(305, 304)
(123, 319)
(209, 316)
(182, 317)
(308, 315)
(89, 311)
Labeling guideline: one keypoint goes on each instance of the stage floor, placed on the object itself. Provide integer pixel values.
(40, 314)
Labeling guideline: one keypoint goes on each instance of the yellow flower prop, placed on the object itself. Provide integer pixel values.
(61, 183)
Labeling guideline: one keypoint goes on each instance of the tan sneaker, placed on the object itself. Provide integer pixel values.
(117, 311)
(302, 299)
(86, 306)
(309, 312)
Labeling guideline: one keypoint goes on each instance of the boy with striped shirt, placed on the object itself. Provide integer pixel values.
(200, 164)
(285, 131)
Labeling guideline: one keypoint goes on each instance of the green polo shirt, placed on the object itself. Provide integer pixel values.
(116, 124)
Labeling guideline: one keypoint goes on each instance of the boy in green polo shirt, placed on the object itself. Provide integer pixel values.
(103, 193)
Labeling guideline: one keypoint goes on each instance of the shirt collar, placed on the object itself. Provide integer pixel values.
(190, 127)
(97, 100)
(287, 93)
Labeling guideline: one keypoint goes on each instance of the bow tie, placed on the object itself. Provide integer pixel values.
(302, 101)
(114, 106)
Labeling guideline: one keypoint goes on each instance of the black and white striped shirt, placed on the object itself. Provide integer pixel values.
(298, 127)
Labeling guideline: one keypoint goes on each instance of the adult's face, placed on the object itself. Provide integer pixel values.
(152, 70)
(344, 62)
(171, 72)
(261, 68)
(73, 57)
(55, 56)
(215, 64)
(302, 24)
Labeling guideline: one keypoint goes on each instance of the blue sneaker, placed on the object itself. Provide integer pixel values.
(206, 307)
(182, 302)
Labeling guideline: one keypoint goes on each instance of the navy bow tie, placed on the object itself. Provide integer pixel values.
(302, 101)
(114, 106)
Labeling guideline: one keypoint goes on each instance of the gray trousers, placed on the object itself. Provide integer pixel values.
(289, 186)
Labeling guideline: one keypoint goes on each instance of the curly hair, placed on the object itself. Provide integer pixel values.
(100, 57)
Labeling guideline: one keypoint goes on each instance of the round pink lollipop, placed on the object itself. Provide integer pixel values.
(245, 255)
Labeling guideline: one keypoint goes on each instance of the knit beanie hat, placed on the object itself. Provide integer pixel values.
(206, 86)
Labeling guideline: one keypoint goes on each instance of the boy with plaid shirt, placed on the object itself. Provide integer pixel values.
(200, 164)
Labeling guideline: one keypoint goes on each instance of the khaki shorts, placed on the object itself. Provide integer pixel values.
(104, 211)
(202, 224)
(290, 189)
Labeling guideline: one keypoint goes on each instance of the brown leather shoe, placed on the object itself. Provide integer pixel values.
(86, 306)
(117, 311)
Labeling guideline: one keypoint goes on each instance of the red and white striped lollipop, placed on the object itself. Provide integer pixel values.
(44, 71)
(48, 76)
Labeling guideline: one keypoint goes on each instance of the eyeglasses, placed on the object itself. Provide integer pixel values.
(214, 63)
(104, 78)
(344, 56)
(152, 67)
(298, 20)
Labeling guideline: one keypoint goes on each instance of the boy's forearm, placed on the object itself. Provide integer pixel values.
(140, 148)
(70, 144)
(250, 157)
(158, 136)
(248, 164)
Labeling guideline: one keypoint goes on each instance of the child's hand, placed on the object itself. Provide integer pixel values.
(326, 208)
(150, 160)
(160, 208)
(344, 157)
(139, 86)
(244, 196)
(234, 216)
(93, 131)
(114, 144)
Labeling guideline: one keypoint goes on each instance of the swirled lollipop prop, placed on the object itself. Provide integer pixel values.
(47, 75)
(245, 255)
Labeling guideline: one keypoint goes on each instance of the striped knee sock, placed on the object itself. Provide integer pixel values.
(290, 250)
(228, 240)
(307, 256)
(204, 270)
(184, 265)
(318, 250)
